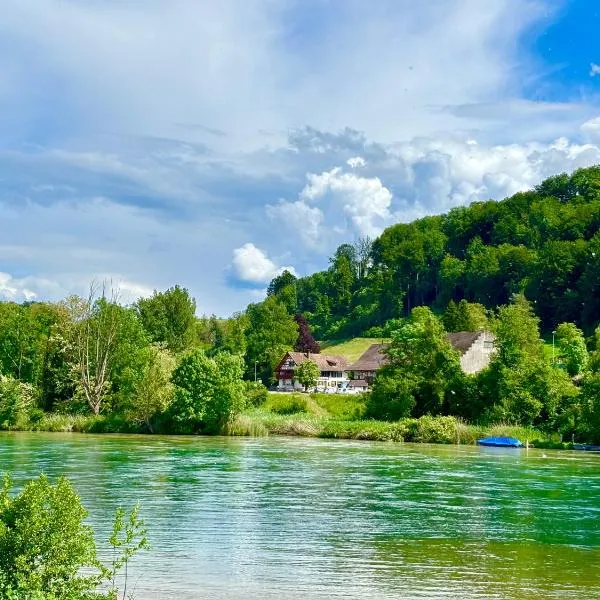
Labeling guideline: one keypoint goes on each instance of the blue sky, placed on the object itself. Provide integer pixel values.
(214, 144)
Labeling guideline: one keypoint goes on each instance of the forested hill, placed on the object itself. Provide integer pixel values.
(544, 242)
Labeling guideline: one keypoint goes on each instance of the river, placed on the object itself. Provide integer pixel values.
(291, 518)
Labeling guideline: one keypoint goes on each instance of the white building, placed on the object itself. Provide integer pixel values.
(333, 371)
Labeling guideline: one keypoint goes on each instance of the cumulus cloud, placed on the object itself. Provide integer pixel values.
(299, 218)
(428, 176)
(356, 161)
(594, 70)
(252, 265)
(14, 289)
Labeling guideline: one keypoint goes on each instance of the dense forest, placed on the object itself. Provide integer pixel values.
(527, 267)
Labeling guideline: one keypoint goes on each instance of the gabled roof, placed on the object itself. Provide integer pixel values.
(372, 359)
(358, 383)
(462, 340)
(325, 362)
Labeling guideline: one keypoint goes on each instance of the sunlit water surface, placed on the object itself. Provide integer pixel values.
(295, 518)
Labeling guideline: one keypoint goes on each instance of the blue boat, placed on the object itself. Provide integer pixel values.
(500, 442)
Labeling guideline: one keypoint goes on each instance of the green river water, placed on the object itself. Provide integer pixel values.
(242, 518)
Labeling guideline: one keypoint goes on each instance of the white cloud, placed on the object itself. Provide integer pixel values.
(15, 289)
(356, 161)
(364, 200)
(299, 218)
(594, 70)
(252, 265)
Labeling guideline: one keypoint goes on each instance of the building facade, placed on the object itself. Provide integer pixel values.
(475, 348)
(333, 371)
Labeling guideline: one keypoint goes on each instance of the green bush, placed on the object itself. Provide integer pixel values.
(16, 402)
(431, 430)
(256, 393)
(209, 392)
(286, 404)
(47, 552)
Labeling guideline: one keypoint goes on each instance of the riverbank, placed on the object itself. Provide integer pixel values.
(318, 416)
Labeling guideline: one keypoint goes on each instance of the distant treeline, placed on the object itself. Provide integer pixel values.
(527, 267)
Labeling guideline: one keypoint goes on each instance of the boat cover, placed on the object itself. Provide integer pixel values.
(501, 442)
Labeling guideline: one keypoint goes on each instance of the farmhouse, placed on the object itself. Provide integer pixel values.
(366, 367)
(475, 349)
(333, 370)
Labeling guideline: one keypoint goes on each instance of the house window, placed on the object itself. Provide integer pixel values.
(488, 344)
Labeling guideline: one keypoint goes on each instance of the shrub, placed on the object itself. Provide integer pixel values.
(287, 404)
(48, 553)
(256, 393)
(431, 430)
(16, 401)
(209, 392)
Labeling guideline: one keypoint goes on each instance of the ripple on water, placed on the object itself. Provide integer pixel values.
(295, 518)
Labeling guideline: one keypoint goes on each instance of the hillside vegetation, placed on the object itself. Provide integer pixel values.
(544, 243)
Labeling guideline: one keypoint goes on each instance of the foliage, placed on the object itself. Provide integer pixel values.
(590, 422)
(256, 393)
(271, 332)
(283, 287)
(307, 373)
(305, 342)
(524, 387)
(169, 317)
(209, 392)
(153, 392)
(228, 335)
(465, 316)
(572, 350)
(47, 552)
(16, 402)
(128, 537)
(421, 364)
(544, 242)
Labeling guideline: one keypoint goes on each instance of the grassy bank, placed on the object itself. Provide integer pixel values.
(317, 415)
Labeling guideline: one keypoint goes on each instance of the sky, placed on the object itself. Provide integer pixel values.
(214, 144)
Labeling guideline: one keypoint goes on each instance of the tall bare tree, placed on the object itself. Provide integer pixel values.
(362, 248)
(96, 323)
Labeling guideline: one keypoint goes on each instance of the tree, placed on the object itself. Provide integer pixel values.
(271, 332)
(169, 317)
(307, 373)
(283, 287)
(393, 396)
(522, 385)
(362, 252)
(465, 316)
(153, 391)
(421, 364)
(16, 401)
(209, 392)
(229, 335)
(47, 552)
(95, 332)
(590, 423)
(109, 350)
(305, 342)
(572, 350)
